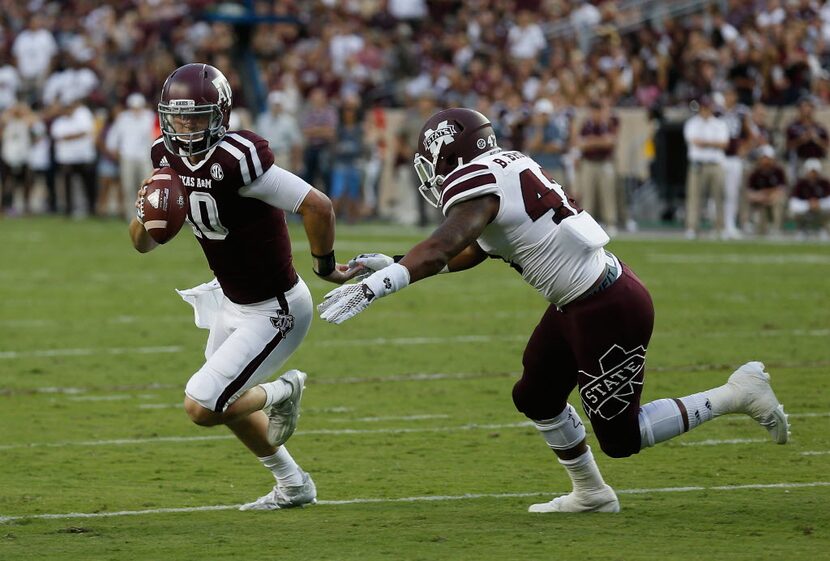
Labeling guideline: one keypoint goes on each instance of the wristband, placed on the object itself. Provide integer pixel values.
(323, 265)
(388, 280)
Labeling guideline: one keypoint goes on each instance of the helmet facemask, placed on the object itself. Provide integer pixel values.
(190, 143)
(430, 187)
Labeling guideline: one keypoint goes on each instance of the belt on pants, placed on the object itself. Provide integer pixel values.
(608, 277)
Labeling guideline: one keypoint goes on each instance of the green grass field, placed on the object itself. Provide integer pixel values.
(408, 425)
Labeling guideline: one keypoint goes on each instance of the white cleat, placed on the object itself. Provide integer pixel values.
(286, 497)
(754, 396)
(283, 416)
(600, 500)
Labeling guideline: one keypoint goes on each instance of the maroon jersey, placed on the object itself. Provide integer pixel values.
(811, 148)
(735, 119)
(806, 189)
(598, 128)
(767, 178)
(244, 239)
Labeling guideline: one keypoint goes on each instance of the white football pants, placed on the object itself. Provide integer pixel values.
(247, 344)
(733, 169)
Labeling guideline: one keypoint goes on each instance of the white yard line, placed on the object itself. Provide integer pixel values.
(724, 441)
(408, 341)
(427, 498)
(48, 353)
(393, 418)
(338, 431)
(341, 431)
(741, 258)
(815, 453)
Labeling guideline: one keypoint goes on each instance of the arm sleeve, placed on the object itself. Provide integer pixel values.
(279, 188)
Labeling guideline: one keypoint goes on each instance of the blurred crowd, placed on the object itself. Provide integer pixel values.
(341, 87)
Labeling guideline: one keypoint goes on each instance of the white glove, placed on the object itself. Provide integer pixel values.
(345, 302)
(372, 262)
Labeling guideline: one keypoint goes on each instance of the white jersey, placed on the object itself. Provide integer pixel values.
(557, 248)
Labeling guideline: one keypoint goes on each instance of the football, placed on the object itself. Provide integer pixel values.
(164, 205)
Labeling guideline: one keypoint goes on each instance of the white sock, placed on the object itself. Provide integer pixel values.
(722, 400)
(285, 469)
(698, 407)
(584, 472)
(275, 391)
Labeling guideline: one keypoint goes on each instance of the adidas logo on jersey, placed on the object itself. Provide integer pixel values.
(164, 163)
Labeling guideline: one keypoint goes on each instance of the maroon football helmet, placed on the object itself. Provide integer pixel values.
(197, 98)
(449, 139)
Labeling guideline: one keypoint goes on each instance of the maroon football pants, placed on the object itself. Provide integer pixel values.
(598, 344)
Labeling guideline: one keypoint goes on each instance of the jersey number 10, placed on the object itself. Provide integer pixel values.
(205, 217)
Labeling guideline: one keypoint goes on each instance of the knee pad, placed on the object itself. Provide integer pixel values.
(659, 420)
(564, 431)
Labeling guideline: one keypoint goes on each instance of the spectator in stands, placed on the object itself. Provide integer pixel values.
(348, 150)
(760, 134)
(9, 82)
(109, 183)
(806, 138)
(810, 201)
(597, 180)
(40, 161)
(376, 125)
(33, 49)
(404, 204)
(546, 139)
(16, 123)
(525, 38)
(766, 193)
(319, 127)
(73, 133)
(280, 129)
(706, 139)
(736, 118)
(128, 142)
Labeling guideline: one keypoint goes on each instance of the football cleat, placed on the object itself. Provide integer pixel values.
(754, 396)
(282, 416)
(286, 497)
(600, 500)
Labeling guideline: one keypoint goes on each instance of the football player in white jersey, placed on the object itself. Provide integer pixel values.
(595, 331)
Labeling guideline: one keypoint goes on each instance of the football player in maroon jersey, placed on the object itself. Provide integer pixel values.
(259, 309)
(596, 329)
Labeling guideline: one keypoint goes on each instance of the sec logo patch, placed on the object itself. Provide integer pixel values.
(216, 172)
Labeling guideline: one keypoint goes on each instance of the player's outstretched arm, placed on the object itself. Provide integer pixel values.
(465, 222)
(469, 257)
(453, 243)
(318, 220)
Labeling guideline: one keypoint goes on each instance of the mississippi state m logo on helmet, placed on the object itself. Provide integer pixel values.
(608, 393)
(435, 139)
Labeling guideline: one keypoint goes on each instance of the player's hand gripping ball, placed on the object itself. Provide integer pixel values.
(163, 208)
